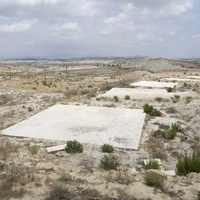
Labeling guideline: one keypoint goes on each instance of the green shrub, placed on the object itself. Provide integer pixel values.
(176, 98)
(44, 82)
(33, 149)
(116, 99)
(106, 148)
(152, 164)
(83, 92)
(154, 180)
(159, 99)
(176, 127)
(168, 134)
(151, 111)
(147, 108)
(169, 89)
(109, 162)
(127, 97)
(185, 84)
(30, 109)
(198, 196)
(158, 133)
(74, 147)
(188, 164)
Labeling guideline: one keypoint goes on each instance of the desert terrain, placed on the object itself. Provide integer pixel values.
(29, 172)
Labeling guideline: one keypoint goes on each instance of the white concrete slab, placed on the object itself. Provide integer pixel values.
(180, 79)
(139, 93)
(170, 173)
(56, 148)
(154, 84)
(119, 127)
(193, 77)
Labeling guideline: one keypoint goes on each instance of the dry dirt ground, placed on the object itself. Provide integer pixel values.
(27, 171)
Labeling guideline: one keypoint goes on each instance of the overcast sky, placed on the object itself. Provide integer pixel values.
(166, 28)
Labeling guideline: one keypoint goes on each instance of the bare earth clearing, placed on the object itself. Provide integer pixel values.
(27, 171)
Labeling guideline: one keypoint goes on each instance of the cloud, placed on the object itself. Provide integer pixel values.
(171, 33)
(17, 26)
(176, 8)
(70, 26)
(86, 25)
(196, 37)
(117, 19)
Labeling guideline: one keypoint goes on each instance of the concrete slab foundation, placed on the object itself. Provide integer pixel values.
(154, 84)
(136, 93)
(181, 79)
(119, 127)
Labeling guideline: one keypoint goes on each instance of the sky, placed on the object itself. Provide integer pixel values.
(104, 28)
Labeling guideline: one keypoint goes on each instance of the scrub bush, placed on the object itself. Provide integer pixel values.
(116, 99)
(74, 147)
(152, 164)
(127, 97)
(109, 162)
(107, 148)
(188, 164)
(151, 110)
(154, 180)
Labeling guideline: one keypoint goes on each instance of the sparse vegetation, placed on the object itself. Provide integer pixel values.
(33, 149)
(116, 99)
(127, 97)
(188, 99)
(74, 147)
(176, 127)
(176, 98)
(169, 89)
(109, 162)
(159, 99)
(188, 163)
(198, 196)
(107, 148)
(152, 164)
(60, 190)
(154, 180)
(168, 134)
(30, 109)
(83, 92)
(151, 110)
